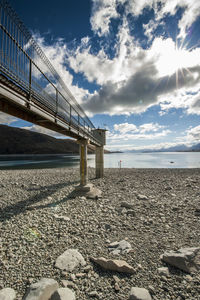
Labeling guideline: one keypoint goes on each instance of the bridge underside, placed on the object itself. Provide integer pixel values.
(15, 102)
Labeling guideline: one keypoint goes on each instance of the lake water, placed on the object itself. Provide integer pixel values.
(128, 160)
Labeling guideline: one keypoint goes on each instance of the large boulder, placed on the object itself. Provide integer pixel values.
(7, 294)
(137, 293)
(69, 260)
(41, 290)
(185, 259)
(63, 294)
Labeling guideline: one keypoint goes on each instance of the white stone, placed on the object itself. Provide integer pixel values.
(119, 247)
(63, 294)
(64, 218)
(69, 260)
(137, 293)
(163, 271)
(41, 290)
(7, 294)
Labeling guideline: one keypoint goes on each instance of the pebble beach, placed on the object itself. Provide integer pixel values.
(155, 210)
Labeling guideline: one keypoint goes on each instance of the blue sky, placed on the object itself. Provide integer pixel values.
(134, 66)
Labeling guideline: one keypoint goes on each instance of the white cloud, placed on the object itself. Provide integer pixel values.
(6, 119)
(103, 11)
(135, 78)
(142, 90)
(138, 136)
(131, 132)
(129, 127)
(125, 127)
(191, 12)
(193, 134)
(150, 127)
(154, 146)
(57, 53)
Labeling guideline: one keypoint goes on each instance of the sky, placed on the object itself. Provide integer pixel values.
(133, 65)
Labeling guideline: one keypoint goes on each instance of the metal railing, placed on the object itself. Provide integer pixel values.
(24, 63)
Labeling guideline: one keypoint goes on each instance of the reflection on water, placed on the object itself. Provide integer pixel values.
(38, 161)
(128, 160)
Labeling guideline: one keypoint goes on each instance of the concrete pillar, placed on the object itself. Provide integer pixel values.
(83, 162)
(99, 161)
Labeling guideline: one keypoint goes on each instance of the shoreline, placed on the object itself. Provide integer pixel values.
(166, 220)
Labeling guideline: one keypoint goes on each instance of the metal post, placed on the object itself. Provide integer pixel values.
(83, 162)
(56, 102)
(30, 78)
(70, 115)
(99, 159)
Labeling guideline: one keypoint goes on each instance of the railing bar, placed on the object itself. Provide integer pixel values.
(19, 46)
(9, 48)
(3, 37)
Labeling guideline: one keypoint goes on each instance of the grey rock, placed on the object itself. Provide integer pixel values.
(127, 205)
(69, 260)
(7, 294)
(163, 271)
(186, 259)
(88, 191)
(168, 188)
(63, 294)
(197, 212)
(41, 290)
(137, 293)
(131, 212)
(119, 247)
(114, 265)
(108, 227)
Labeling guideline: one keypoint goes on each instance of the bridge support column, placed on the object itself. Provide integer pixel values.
(99, 160)
(83, 162)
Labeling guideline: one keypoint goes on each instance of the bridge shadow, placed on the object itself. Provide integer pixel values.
(26, 205)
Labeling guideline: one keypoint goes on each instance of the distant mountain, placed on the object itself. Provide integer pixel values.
(196, 148)
(21, 141)
(178, 148)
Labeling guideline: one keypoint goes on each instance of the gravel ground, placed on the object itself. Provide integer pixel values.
(31, 237)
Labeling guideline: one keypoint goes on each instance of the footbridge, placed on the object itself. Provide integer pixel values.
(31, 89)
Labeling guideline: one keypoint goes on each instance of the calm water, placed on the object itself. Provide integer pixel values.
(128, 160)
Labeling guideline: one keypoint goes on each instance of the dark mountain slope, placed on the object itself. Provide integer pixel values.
(20, 141)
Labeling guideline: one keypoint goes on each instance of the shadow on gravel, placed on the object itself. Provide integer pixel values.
(20, 207)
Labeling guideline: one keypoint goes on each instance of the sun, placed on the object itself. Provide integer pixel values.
(170, 58)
